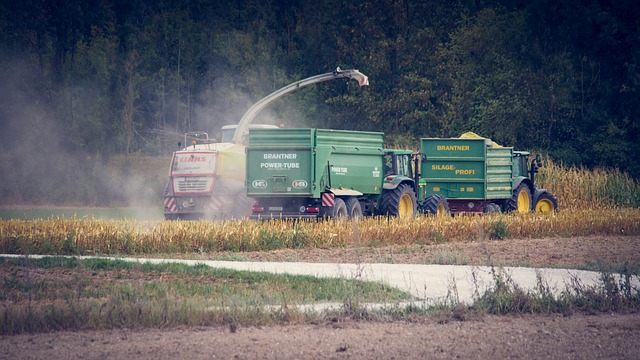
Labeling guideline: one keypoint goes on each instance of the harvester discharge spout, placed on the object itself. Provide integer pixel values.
(250, 115)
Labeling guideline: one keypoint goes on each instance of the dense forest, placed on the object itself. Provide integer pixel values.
(85, 80)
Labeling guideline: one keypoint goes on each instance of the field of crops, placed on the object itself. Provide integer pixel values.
(591, 202)
(110, 237)
(581, 188)
(83, 294)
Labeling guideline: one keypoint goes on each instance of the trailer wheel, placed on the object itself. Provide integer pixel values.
(545, 203)
(491, 208)
(400, 202)
(354, 209)
(436, 205)
(520, 201)
(339, 210)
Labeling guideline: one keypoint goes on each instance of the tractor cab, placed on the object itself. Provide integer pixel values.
(398, 163)
(521, 167)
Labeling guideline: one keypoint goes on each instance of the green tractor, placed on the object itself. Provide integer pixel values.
(526, 196)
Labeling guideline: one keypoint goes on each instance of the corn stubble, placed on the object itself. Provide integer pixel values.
(592, 202)
(111, 237)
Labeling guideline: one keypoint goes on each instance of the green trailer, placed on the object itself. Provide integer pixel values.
(310, 173)
(474, 174)
(469, 173)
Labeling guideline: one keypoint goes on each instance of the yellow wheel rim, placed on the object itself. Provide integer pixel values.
(405, 207)
(524, 202)
(544, 206)
(440, 211)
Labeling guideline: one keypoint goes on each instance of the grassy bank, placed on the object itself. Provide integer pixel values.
(47, 294)
(54, 293)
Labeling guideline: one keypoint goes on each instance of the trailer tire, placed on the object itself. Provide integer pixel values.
(436, 205)
(354, 209)
(491, 208)
(545, 202)
(400, 202)
(520, 201)
(339, 210)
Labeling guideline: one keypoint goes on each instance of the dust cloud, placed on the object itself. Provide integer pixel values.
(64, 145)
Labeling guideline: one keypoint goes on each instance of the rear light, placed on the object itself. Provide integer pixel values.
(388, 178)
(257, 209)
(312, 209)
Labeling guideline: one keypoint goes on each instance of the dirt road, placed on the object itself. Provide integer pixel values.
(491, 337)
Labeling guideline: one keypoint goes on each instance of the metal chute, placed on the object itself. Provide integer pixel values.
(250, 115)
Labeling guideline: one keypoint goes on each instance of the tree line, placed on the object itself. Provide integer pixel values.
(87, 78)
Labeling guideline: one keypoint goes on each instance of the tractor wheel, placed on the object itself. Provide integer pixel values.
(400, 202)
(354, 209)
(546, 203)
(436, 205)
(339, 210)
(520, 201)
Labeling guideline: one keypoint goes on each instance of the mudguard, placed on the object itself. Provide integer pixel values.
(395, 181)
(536, 195)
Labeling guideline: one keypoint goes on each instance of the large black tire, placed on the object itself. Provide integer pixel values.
(436, 205)
(491, 208)
(354, 209)
(545, 202)
(400, 202)
(496, 208)
(339, 210)
(520, 201)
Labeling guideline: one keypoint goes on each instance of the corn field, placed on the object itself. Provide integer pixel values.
(594, 202)
(115, 237)
(581, 188)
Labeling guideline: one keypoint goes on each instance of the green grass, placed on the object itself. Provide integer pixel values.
(83, 294)
(613, 294)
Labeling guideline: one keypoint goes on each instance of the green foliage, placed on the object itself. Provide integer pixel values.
(499, 229)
